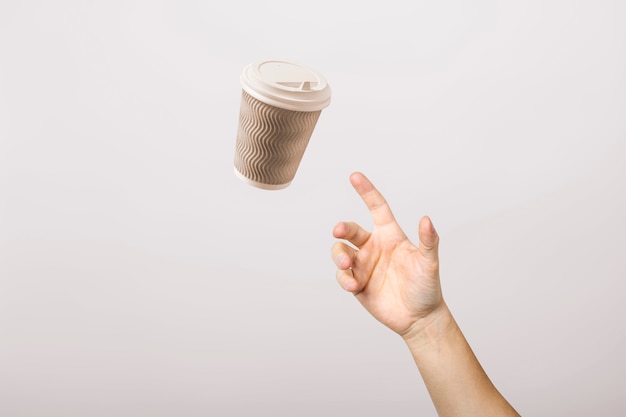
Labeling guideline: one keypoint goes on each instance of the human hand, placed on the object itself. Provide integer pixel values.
(396, 281)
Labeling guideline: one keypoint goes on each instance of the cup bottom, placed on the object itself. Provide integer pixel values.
(260, 184)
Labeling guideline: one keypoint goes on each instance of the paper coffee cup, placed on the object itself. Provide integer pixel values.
(280, 104)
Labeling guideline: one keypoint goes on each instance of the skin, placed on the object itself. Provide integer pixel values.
(398, 283)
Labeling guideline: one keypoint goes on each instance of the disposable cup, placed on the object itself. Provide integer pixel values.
(281, 102)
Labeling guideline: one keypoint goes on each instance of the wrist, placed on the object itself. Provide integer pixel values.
(428, 329)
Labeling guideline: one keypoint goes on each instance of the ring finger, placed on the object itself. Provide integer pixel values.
(343, 255)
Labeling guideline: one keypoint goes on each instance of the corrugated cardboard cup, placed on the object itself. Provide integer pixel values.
(281, 102)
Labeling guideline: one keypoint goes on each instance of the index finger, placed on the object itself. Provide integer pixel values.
(374, 200)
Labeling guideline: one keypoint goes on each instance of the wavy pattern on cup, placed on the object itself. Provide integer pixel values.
(271, 141)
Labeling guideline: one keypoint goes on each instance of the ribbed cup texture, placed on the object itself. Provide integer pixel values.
(271, 141)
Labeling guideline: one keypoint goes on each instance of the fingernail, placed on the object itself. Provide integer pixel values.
(432, 226)
(340, 260)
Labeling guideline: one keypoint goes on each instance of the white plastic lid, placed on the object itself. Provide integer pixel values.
(286, 85)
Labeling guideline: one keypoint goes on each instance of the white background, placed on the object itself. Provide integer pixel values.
(140, 277)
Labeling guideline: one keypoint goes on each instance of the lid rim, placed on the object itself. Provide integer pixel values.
(293, 104)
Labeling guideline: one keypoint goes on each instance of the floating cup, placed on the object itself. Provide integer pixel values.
(280, 104)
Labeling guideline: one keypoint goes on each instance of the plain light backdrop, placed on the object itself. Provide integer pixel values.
(140, 277)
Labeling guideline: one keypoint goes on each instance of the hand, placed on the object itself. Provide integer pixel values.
(396, 281)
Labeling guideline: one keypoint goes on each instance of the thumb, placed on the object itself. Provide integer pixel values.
(429, 240)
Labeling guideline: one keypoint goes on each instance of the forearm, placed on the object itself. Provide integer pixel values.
(456, 382)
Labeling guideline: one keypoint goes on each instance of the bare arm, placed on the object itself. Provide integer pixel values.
(456, 382)
(398, 283)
